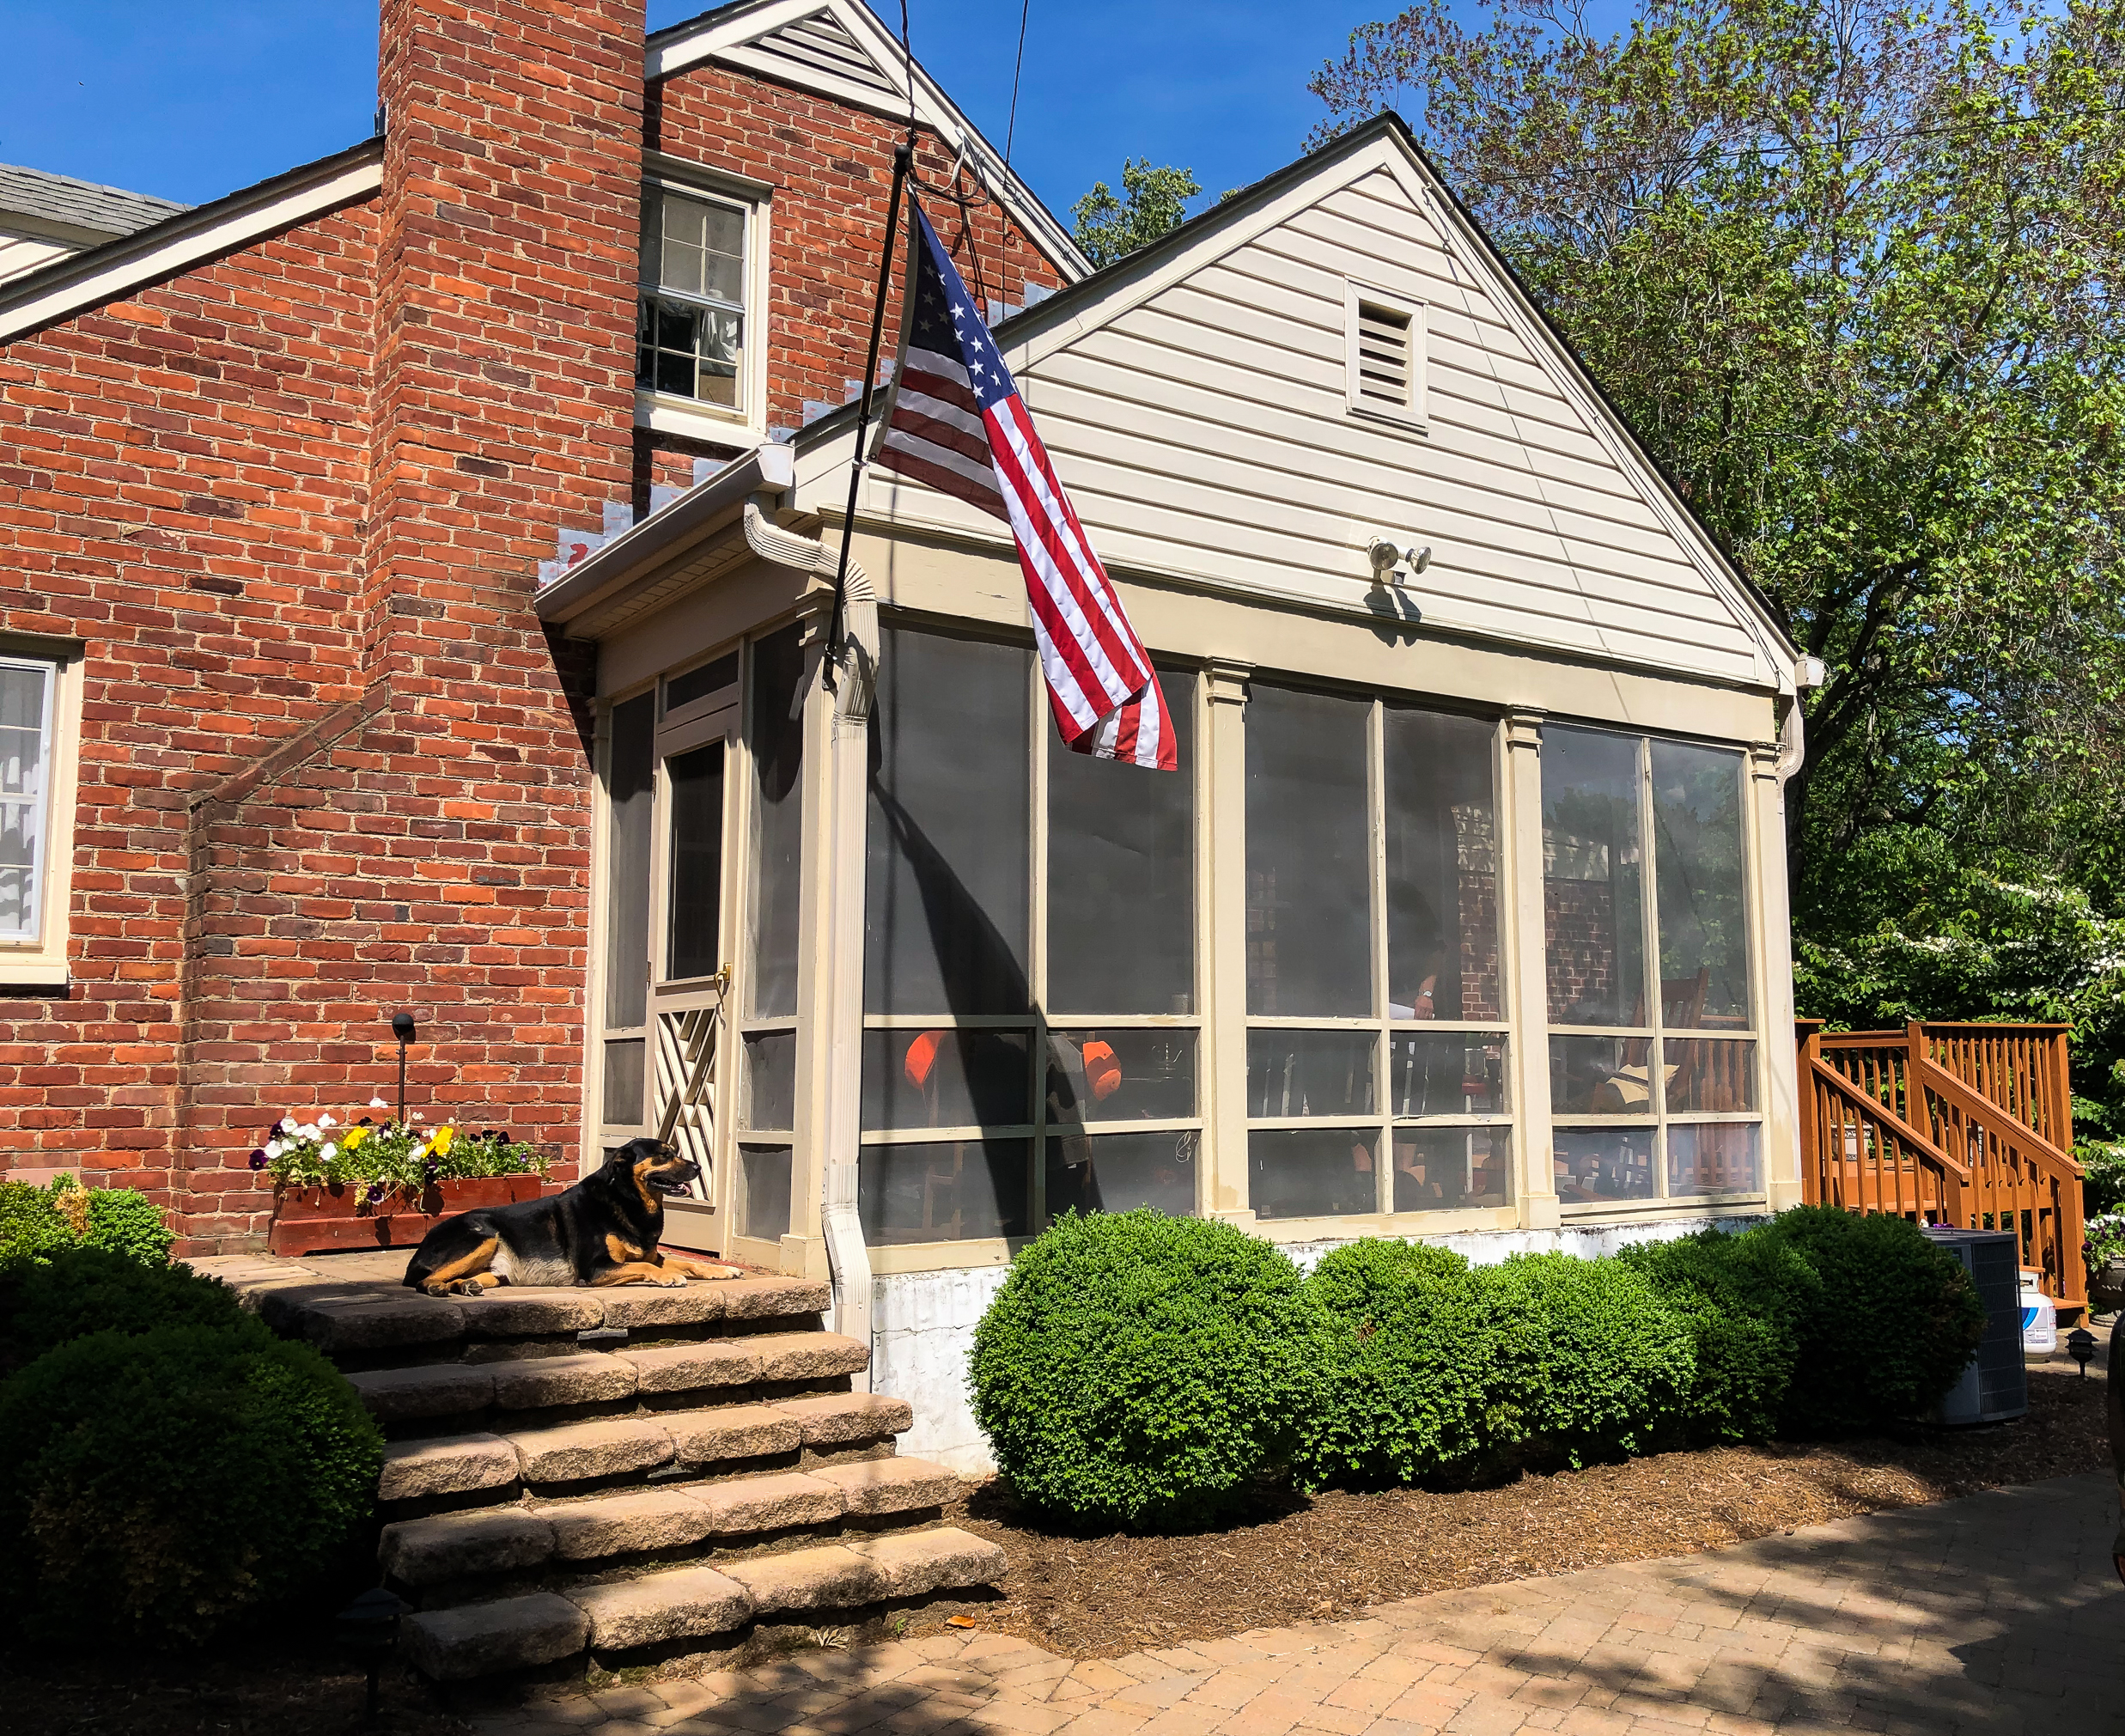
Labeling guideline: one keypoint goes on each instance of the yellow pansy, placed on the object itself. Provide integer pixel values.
(443, 1137)
(355, 1135)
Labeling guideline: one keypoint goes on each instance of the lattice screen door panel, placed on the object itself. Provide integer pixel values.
(686, 1087)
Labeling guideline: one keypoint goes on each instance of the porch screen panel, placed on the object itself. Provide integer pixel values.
(1699, 877)
(947, 884)
(778, 826)
(1309, 924)
(1442, 868)
(696, 868)
(631, 796)
(1593, 895)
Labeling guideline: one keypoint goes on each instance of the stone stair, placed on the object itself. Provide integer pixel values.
(597, 1481)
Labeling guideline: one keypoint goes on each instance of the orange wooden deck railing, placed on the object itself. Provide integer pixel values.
(1971, 1125)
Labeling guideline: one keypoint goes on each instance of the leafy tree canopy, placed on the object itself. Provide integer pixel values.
(1154, 201)
(1848, 267)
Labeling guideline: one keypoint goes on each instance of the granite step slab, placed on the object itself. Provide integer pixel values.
(840, 1419)
(544, 1383)
(914, 1563)
(685, 1602)
(473, 1640)
(775, 1502)
(578, 1451)
(874, 1486)
(464, 1545)
(611, 1525)
(436, 1389)
(448, 1465)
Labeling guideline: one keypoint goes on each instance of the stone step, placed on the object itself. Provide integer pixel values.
(429, 1389)
(364, 1319)
(458, 1546)
(691, 1602)
(427, 1469)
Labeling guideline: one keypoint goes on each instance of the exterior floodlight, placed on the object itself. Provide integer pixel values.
(1385, 555)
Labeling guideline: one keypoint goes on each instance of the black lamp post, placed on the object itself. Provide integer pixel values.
(367, 1630)
(402, 1028)
(2080, 1345)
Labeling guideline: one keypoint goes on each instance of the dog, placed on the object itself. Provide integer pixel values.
(605, 1230)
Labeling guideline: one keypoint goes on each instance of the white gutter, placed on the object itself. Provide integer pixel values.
(847, 770)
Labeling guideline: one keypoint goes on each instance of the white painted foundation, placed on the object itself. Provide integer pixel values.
(923, 1322)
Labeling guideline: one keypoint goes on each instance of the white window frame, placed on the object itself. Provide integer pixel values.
(670, 412)
(1356, 296)
(39, 959)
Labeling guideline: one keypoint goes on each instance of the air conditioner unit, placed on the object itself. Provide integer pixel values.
(1995, 1386)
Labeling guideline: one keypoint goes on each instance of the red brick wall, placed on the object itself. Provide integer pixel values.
(293, 501)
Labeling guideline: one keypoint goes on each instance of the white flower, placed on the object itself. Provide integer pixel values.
(308, 1129)
(378, 1103)
(417, 1115)
(274, 1147)
(287, 1123)
(329, 1152)
(326, 1121)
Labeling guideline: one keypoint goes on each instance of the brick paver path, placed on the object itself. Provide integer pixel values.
(2000, 1613)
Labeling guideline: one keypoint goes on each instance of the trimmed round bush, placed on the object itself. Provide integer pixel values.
(1892, 1329)
(32, 1226)
(89, 1289)
(1743, 1297)
(1139, 1370)
(153, 1489)
(1405, 1361)
(123, 1221)
(1588, 1363)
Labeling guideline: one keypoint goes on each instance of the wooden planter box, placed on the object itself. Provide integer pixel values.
(340, 1217)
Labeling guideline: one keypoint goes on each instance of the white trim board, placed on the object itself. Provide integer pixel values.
(727, 35)
(90, 279)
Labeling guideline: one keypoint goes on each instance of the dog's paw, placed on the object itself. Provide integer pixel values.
(673, 1280)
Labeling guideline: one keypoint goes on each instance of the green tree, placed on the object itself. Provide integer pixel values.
(1849, 271)
(1155, 201)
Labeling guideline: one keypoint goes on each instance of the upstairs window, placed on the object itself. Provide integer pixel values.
(1384, 358)
(690, 335)
(26, 758)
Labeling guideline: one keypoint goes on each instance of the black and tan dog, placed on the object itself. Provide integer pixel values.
(605, 1230)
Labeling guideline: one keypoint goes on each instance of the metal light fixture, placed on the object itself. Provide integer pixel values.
(402, 1028)
(369, 1627)
(2080, 1345)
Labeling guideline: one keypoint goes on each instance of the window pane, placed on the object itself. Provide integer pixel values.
(1722, 1157)
(771, 1081)
(630, 789)
(1697, 867)
(698, 683)
(1309, 1073)
(620, 1103)
(1120, 1171)
(1442, 873)
(1604, 1163)
(763, 1191)
(1600, 1075)
(1121, 890)
(1454, 1073)
(953, 1191)
(1443, 1167)
(1309, 922)
(721, 352)
(1308, 1172)
(1592, 879)
(945, 1078)
(778, 829)
(947, 885)
(1121, 1075)
(697, 862)
(1708, 1077)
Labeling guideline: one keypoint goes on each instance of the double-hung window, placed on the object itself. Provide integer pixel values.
(1376, 1043)
(1654, 1057)
(1030, 1024)
(692, 330)
(28, 699)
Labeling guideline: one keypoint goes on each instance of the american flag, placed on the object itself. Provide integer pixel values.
(957, 423)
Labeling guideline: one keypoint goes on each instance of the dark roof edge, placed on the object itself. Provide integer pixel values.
(93, 260)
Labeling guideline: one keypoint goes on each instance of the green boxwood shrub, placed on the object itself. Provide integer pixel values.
(1140, 1370)
(123, 1220)
(1743, 1297)
(32, 1226)
(36, 1222)
(1587, 1363)
(1405, 1367)
(1892, 1329)
(153, 1489)
(82, 1290)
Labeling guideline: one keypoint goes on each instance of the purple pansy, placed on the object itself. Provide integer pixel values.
(258, 1159)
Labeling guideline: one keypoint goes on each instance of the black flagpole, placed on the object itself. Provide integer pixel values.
(902, 156)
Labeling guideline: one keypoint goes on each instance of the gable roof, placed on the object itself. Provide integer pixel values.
(1555, 525)
(839, 49)
(73, 210)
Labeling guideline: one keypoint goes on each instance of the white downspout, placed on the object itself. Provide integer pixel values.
(848, 773)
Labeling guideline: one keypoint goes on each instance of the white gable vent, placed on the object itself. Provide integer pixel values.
(1384, 353)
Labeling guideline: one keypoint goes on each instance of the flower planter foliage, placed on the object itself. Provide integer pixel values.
(390, 1157)
(1132, 1368)
(37, 1223)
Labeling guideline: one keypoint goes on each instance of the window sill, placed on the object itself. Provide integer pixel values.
(1700, 1205)
(33, 972)
(668, 414)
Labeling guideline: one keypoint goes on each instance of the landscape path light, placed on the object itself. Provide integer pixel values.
(368, 1628)
(2080, 1345)
(402, 1028)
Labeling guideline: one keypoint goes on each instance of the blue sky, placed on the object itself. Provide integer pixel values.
(191, 100)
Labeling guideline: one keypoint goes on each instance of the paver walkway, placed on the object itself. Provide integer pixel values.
(2000, 1613)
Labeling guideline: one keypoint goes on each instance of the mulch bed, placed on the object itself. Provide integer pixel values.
(1299, 1560)
(1304, 1560)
